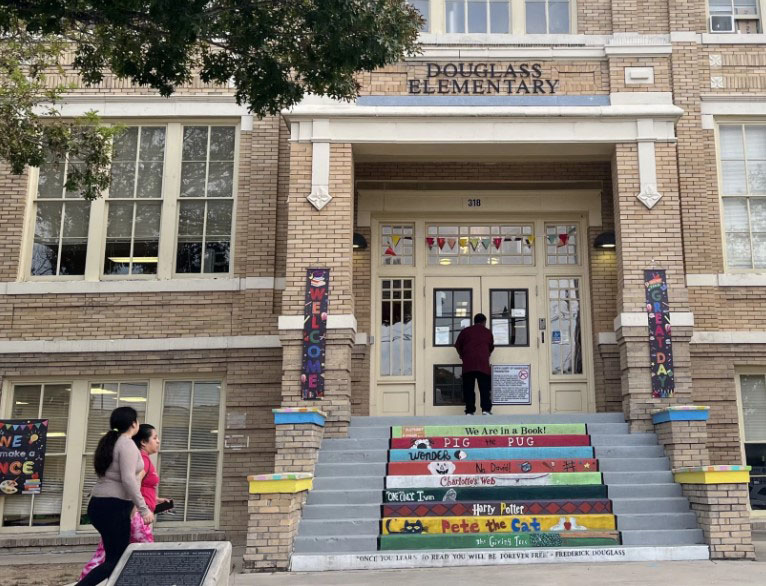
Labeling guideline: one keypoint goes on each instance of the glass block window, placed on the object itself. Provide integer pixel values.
(103, 398)
(396, 244)
(743, 190)
(188, 459)
(547, 17)
(480, 245)
(565, 338)
(51, 402)
(135, 202)
(561, 244)
(753, 388)
(478, 16)
(207, 198)
(422, 6)
(61, 223)
(448, 384)
(396, 327)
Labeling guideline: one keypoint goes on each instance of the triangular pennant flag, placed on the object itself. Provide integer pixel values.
(441, 242)
(529, 240)
(37, 425)
(396, 240)
(552, 238)
(389, 252)
(2, 425)
(562, 240)
(463, 242)
(45, 423)
(474, 243)
(485, 242)
(451, 242)
(30, 426)
(430, 242)
(498, 242)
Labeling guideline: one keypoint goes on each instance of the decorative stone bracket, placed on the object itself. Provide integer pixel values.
(320, 175)
(647, 166)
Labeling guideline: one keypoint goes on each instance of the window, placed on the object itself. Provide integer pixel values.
(509, 320)
(480, 245)
(453, 310)
(547, 16)
(448, 384)
(396, 245)
(753, 390)
(61, 224)
(564, 312)
(734, 16)
(478, 16)
(561, 244)
(743, 190)
(422, 6)
(396, 327)
(51, 402)
(168, 211)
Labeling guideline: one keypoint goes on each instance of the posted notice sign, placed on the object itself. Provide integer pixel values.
(511, 384)
(22, 455)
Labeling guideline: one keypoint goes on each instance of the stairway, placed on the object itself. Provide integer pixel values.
(341, 524)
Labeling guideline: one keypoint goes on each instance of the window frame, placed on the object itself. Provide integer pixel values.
(721, 195)
(758, 18)
(168, 240)
(740, 371)
(518, 19)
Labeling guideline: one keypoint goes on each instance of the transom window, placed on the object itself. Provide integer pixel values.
(743, 190)
(169, 209)
(478, 16)
(480, 245)
(396, 244)
(561, 244)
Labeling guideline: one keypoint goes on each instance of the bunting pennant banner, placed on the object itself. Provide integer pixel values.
(498, 242)
(463, 242)
(441, 242)
(551, 238)
(315, 333)
(485, 242)
(451, 242)
(396, 240)
(529, 241)
(474, 243)
(563, 239)
(389, 252)
(430, 242)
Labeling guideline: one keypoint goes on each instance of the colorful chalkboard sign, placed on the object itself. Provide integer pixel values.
(660, 344)
(22, 455)
(314, 333)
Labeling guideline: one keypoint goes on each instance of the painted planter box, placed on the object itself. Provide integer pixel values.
(490, 454)
(500, 524)
(494, 508)
(489, 441)
(497, 493)
(480, 430)
(489, 480)
(495, 541)
(491, 467)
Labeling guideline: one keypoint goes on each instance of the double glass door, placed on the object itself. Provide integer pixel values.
(509, 303)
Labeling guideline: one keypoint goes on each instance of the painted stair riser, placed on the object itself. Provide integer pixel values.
(499, 524)
(492, 429)
(497, 493)
(490, 454)
(494, 541)
(490, 441)
(491, 480)
(491, 467)
(494, 508)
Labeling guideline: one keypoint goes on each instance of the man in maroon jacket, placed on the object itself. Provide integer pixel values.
(474, 345)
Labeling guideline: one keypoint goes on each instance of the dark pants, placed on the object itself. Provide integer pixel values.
(111, 517)
(485, 391)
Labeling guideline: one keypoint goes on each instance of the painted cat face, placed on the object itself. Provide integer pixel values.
(414, 527)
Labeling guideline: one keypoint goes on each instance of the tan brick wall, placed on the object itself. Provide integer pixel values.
(661, 68)
(594, 18)
(273, 524)
(634, 16)
(743, 69)
(12, 209)
(252, 387)
(685, 442)
(360, 368)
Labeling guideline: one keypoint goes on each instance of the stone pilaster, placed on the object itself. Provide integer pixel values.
(299, 433)
(274, 509)
(682, 431)
(719, 497)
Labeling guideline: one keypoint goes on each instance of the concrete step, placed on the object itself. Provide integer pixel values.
(356, 469)
(658, 537)
(371, 431)
(629, 464)
(677, 504)
(623, 439)
(351, 456)
(340, 527)
(649, 521)
(651, 477)
(346, 443)
(389, 421)
(344, 482)
(314, 511)
(638, 490)
(629, 451)
(341, 497)
(334, 544)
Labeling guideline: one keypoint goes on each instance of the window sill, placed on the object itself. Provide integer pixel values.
(733, 39)
(141, 285)
(741, 279)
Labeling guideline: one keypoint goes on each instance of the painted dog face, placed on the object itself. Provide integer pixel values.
(421, 444)
(441, 468)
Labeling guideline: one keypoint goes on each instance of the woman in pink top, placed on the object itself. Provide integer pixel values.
(148, 443)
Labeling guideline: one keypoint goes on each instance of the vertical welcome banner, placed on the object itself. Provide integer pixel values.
(22, 455)
(314, 332)
(660, 345)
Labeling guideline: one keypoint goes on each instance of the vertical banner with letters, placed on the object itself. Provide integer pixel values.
(314, 333)
(660, 344)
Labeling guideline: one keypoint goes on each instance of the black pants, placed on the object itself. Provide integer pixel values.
(111, 517)
(485, 391)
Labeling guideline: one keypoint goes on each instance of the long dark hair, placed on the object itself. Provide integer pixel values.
(143, 434)
(120, 421)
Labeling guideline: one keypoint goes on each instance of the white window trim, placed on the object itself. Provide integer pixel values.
(741, 422)
(171, 184)
(722, 36)
(721, 196)
(438, 23)
(76, 436)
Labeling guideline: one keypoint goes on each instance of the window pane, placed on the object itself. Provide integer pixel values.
(76, 216)
(746, 6)
(48, 222)
(125, 145)
(455, 16)
(218, 218)
(733, 177)
(756, 142)
(754, 407)
(477, 16)
(205, 414)
(50, 183)
(730, 139)
(45, 252)
(756, 177)
(735, 214)
(559, 17)
(152, 143)
(195, 143)
(720, 6)
(536, 17)
(173, 468)
(448, 384)
(123, 180)
(193, 180)
(149, 180)
(499, 17)
(738, 252)
(220, 179)
(422, 7)
(222, 143)
(203, 480)
(758, 214)
(176, 411)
